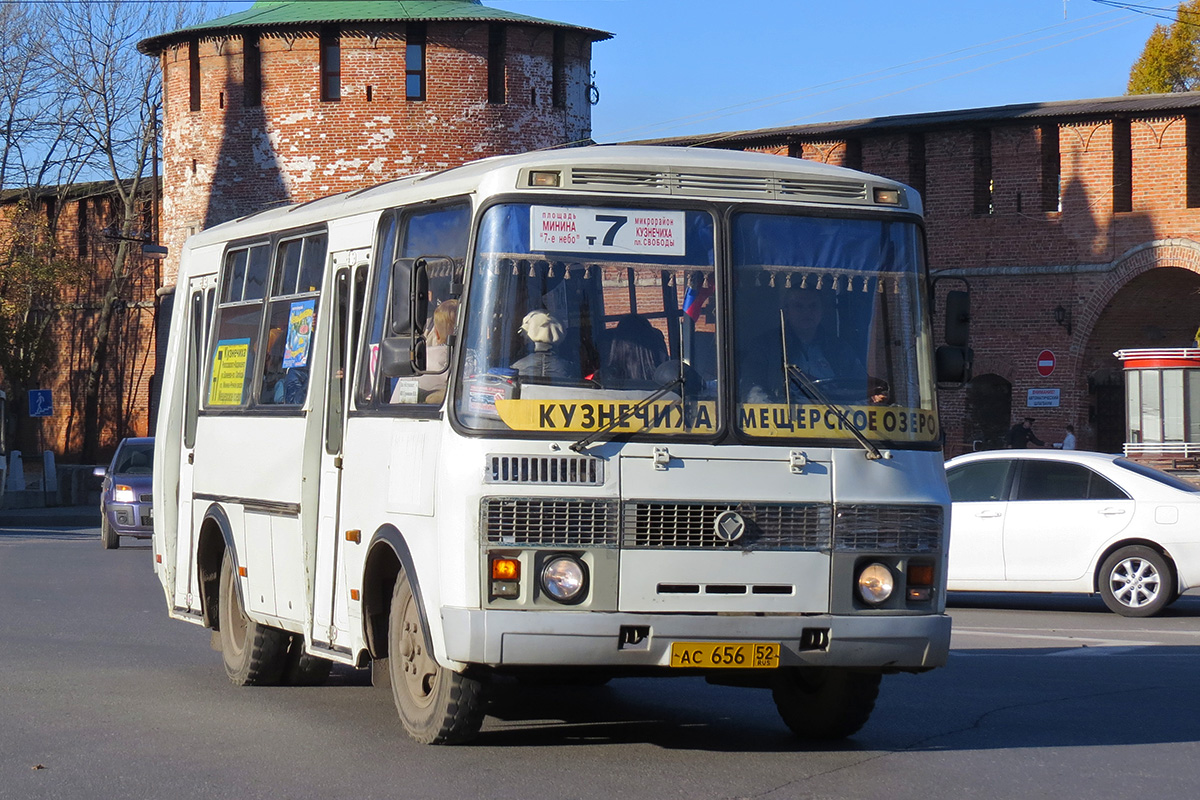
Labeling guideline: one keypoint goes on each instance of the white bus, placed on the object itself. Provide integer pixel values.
(568, 415)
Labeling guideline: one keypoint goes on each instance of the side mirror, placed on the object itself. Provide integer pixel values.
(420, 297)
(402, 278)
(399, 358)
(953, 364)
(958, 318)
(100, 472)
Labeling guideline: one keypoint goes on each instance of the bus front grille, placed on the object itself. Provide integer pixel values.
(779, 526)
(559, 470)
(555, 522)
(892, 528)
(646, 525)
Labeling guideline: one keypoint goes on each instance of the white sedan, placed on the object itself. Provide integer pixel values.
(1047, 521)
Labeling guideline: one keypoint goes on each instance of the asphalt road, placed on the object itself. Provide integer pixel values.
(102, 696)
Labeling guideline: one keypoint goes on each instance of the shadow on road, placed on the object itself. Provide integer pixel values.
(1186, 606)
(50, 534)
(984, 699)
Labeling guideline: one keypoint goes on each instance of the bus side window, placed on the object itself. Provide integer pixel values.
(236, 332)
(291, 319)
(440, 236)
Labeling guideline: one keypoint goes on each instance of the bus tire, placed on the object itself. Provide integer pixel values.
(825, 703)
(436, 705)
(254, 654)
(304, 669)
(108, 536)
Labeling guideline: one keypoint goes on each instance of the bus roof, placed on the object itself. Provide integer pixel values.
(605, 170)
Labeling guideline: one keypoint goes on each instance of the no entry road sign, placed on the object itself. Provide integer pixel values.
(1045, 363)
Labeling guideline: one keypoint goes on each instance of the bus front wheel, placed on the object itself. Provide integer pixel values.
(825, 703)
(436, 705)
(254, 654)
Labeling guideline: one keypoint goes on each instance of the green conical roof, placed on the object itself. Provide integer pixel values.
(290, 13)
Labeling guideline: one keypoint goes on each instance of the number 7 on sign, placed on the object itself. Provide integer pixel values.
(617, 222)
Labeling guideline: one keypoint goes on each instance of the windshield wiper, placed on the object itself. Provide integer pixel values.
(793, 374)
(676, 382)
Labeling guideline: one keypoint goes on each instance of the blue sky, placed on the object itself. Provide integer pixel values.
(678, 67)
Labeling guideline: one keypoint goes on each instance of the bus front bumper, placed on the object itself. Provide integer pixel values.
(539, 638)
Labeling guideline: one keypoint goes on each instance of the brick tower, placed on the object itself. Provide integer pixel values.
(289, 101)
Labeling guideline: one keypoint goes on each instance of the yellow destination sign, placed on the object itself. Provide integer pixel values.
(756, 419)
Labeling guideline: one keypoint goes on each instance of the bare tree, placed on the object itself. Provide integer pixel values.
(120, 97)
(39, 157)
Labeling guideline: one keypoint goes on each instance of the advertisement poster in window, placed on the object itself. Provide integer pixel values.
(299, 333)
(229, 372)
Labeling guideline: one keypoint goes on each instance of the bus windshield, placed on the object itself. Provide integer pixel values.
(605, 320)
(579, 314)
(830, 312)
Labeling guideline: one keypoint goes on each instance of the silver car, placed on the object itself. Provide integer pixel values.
(126, 502)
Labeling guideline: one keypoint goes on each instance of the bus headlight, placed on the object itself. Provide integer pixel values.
(875, 583)
(564, 579)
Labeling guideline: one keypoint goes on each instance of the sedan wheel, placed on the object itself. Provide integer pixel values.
(108, 537)
(1136, 582)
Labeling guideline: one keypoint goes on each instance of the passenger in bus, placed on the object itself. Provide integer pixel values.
(432, 385)
(273, 374)
(292, 387)
(812, 347)
(879, 393)
(543, 331)
(634, 350)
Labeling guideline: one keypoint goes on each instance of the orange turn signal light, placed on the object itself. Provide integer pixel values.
(506, 569)
(920, 575)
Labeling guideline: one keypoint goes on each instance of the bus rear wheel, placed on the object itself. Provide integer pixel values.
(254, 654)
(825, 703)
(436, 705)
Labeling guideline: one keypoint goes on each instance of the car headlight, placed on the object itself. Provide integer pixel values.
(123, 494)
(875, 583)
(563, 578)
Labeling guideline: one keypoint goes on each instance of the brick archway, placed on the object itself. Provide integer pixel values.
(1150, 298)
(1178, 253)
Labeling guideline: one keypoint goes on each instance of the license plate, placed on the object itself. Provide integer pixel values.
(732, 655)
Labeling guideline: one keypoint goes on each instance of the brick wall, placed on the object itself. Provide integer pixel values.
(125, 387)
(1125, 279)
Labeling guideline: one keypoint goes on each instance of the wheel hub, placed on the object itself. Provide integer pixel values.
(419, 669)
(1135, 582)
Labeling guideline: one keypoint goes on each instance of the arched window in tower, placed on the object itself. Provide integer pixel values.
(497, 41)
(558, 79)
(331, 65)
(251, 71)
(414, 62)
(194, 75)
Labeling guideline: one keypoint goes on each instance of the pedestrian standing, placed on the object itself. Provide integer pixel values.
(1068, 442)
(1021, 434)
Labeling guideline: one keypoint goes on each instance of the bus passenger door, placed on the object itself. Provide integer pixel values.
(331, 593)
(201, 296)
